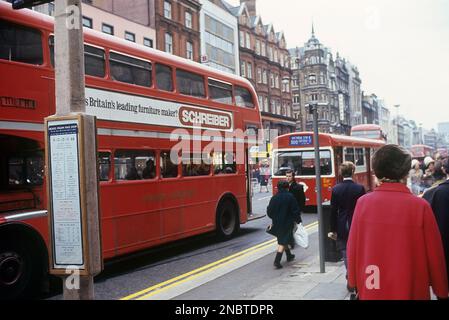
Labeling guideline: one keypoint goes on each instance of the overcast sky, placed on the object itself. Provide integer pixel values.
(401, 47)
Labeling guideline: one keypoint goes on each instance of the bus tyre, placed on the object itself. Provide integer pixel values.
(228, 221)
(20, 269)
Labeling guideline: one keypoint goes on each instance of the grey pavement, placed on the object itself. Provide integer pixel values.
(258, 280)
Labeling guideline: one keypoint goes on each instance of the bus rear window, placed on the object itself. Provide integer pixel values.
(190, 83)
(243, 97)
(220, 92)
(302, 163)
(130, 70)
(19, 43)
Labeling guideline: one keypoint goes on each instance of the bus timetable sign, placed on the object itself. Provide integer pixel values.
(297, 141)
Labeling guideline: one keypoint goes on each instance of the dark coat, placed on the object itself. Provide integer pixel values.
(343, 200)
(284, 211)
(297, 190)
(439, 201)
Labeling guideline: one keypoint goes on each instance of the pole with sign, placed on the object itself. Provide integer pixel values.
(313, 109)
(71, 161)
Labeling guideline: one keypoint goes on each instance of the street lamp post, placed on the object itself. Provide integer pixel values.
(313, 109)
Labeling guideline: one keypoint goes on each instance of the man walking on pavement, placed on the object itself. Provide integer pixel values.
(439, 200)
(343, 200)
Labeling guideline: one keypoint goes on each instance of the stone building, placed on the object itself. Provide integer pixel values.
(321, 80)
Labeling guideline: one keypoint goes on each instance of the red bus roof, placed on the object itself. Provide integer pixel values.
(326, 140)
(361, 127)
(421, 146)
(42, 21)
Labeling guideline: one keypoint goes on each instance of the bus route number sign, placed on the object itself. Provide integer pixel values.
(296, 141)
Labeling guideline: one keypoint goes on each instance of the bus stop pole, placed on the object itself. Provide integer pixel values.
(313, 109)
(70, 99)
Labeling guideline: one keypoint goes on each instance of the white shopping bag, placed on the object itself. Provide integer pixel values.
(301, 236)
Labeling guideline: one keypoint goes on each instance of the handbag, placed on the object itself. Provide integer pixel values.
(269, 229)
(301, 236)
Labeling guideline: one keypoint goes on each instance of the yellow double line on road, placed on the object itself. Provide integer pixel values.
(153, 290)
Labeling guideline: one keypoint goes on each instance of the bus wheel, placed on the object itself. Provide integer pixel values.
(20, 270)
(228, 222)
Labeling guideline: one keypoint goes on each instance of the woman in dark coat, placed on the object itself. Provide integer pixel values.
(438, 198)
(284, 211)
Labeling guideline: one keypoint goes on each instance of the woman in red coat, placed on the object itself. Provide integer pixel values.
(394, 246)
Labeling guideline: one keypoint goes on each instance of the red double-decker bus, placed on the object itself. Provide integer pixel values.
(368, 131)
(420, 151)
(295, 151)
(139, 95)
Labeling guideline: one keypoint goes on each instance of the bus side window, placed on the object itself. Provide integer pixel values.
(224, 163)
(243, 97)
(193, 165)
(349, 154)
(169, 168)
(220, 92)
(164, 80)
(189, 83)
(130, 70)
(359, 157)
(94, 59)
(134, 165)
(104, 159)
(21, 44)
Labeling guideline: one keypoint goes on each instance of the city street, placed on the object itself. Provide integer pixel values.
(131, 275)
(135, 136)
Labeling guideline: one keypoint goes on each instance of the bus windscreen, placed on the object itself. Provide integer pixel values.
(302, 163)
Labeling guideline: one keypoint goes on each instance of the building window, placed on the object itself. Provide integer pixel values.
(168, 43)
(250, 70)
(51, 9)
(106, 28)
(130, 36)
(243, 69)
(242, 39)
(264, 49)
(259, 75)
(167, 9)
(248, 41)
(189, 50)
(148, 42)
(258, 46)
(188, 18)
(264, 77)
(87, 22)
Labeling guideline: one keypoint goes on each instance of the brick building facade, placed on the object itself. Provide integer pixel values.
(178, 27)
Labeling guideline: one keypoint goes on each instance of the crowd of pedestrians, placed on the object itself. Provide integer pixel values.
(395, 240)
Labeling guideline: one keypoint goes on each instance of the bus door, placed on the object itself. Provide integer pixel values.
(249, 191)
(369, 172)
(338, 157)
